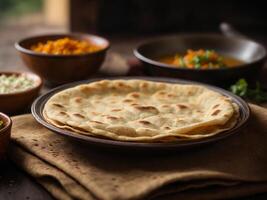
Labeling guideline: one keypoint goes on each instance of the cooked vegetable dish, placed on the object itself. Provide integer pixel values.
(65, 46)
(14, 83)
(200, 59)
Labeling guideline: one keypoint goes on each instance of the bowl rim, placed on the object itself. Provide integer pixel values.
(141, 57)
(22, 49)
(9, 122)
(37, 79)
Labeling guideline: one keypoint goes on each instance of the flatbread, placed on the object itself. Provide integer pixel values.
(139, 110)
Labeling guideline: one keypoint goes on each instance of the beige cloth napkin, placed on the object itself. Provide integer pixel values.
(233, 167)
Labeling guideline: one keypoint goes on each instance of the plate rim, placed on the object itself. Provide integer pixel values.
(36, 111)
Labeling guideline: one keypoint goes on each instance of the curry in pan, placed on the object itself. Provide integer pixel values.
(200, 59)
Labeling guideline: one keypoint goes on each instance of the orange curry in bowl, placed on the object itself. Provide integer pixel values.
(200, 59)
(65, 46)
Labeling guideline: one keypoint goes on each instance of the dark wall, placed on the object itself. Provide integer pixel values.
(151, 16)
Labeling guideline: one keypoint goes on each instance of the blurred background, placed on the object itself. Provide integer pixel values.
(125, 23)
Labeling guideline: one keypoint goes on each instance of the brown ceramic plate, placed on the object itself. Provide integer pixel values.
(38, 106)
(16, 102)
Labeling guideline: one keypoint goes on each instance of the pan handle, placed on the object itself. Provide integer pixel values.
(229, 31)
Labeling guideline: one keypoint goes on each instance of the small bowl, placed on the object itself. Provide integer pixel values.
(15, 102)
(60, 69)
(4, 134)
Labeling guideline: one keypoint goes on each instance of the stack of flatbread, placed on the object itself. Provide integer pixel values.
(139, 110)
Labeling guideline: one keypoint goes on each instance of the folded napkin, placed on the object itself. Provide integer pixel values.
(233, 167)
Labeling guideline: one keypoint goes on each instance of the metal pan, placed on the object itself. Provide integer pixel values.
(38, 106)
(251, 53)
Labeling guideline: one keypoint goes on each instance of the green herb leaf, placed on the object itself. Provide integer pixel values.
(196, 60)
(207, 53)
(197, 66)
(257, 94)
(181, 62)
(241, 89)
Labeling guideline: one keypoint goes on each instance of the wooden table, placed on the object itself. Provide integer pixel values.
(17, 185)
(14, 183)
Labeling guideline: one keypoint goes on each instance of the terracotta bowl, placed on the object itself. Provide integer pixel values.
(15, 102)
(60, 69)
(4, 134)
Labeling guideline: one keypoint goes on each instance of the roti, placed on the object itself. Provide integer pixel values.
(139, 110)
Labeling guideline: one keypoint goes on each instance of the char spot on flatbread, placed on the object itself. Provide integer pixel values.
(216, 112)
(112, 117)
(128, 100)
(58, 105)
(123, 85)
(151, 109)
(85, 89)
(79, 115)
(144, 85)
(63, 113)
(134, 95)
(171, 95)
(216, 106)
(181, 106)
(116, 110)
(78, 99)
(145, 122)
(190, 93)
(162, 93)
